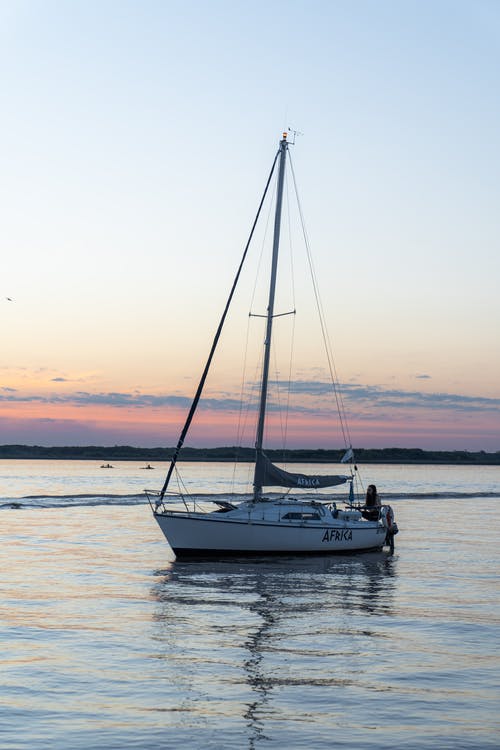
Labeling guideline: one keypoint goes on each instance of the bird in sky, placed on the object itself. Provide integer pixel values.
(9, 299)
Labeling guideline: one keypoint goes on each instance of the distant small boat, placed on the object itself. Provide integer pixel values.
(281, 524)
(148, 466)
(107, 466)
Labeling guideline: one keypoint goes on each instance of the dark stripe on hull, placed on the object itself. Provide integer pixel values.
(238, 553)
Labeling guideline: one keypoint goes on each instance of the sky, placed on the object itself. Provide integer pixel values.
(136, 139)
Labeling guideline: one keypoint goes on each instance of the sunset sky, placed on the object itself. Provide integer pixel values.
(136, 139)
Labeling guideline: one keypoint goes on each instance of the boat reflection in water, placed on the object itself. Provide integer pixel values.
(271, 641)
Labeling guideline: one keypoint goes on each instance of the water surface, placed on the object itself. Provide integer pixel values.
(108, 641)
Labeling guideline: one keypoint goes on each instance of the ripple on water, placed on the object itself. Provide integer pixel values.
(108, 642)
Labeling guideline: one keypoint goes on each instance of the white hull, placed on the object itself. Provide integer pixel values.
(213, 534)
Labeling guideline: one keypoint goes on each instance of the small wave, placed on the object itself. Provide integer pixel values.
(70, 501)
(448, 494)
(81, 496)
(92, 500)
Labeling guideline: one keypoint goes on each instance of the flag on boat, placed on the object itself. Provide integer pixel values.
(269, 475)
(348, 456)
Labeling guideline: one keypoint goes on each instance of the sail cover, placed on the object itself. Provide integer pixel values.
(269, 475)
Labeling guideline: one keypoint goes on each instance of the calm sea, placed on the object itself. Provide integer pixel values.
(108, 642)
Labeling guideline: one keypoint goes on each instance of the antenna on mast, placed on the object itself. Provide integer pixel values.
(295, 134)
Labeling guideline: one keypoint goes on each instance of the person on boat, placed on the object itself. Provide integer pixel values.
(372, 504)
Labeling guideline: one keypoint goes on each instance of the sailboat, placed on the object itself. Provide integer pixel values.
(309, 522)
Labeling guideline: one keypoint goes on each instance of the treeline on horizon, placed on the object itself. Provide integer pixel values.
(304, 455)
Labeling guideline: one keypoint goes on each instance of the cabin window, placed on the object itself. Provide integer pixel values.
(301, 517)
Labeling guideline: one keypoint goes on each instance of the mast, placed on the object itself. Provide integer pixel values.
(270, 310)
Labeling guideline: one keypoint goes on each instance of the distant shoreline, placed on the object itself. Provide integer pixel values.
(303, 455)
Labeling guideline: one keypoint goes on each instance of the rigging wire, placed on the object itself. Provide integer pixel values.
(201, 384)
(294, 319)
(328, 348)
(182, 490)
(245, 405)
(278, 398)
(285, 411)
(241, 423)
(262, 246)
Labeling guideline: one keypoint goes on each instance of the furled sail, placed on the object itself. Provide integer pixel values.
(269, 475)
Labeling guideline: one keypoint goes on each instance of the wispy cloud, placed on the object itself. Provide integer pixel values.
(42, 376)
(355, 396)
(381, 397)
(393, 398)
(84, 398)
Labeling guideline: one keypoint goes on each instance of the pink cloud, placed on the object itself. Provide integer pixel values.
(435, 423)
